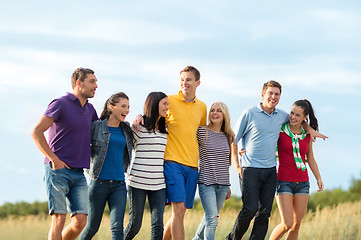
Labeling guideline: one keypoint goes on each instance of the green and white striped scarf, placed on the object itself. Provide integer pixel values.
(295, 144)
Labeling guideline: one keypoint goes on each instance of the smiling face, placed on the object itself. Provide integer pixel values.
(297, 116)
(119, 111)
(163, 107)
(216, 115)
(188, 84)
(270, 98)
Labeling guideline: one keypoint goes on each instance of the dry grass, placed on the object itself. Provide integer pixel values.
(338, 222)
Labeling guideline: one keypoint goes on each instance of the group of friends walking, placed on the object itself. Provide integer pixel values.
(175, 149)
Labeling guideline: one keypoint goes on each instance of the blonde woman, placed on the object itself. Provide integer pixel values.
(214, 160)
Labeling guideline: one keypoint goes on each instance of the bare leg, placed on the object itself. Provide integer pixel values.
(57, 225)
(299, 210)
(175, 223)
(78, 222)
(285, 207)
(168, 229)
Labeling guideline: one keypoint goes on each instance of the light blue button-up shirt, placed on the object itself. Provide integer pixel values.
(259, 132)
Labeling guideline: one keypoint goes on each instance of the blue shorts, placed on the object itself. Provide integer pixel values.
(293, 188)
(67, 189)
(181, 183)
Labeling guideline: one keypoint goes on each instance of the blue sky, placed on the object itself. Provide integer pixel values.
(311, 47)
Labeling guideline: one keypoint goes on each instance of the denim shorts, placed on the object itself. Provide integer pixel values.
(67, 190)
(181, 183)
(293, 188)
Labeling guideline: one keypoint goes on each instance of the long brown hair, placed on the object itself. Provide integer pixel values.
(113, 100)
(308, 110)
(151, 112)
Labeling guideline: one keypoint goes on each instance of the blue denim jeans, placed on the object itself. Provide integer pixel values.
(66, 187)
(293, 188)
(212, 198)
(258, 187)
(156, 201)
(100, 192)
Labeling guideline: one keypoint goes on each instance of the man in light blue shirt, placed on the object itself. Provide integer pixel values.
(259, 129)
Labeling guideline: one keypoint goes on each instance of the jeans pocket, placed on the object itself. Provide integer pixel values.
(58, 169)
(281, 184)
(169, 182)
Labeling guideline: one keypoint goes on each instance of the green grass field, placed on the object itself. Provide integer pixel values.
(330, 223)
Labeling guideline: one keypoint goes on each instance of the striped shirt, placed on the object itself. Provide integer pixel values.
(214, 156)
(146, 171)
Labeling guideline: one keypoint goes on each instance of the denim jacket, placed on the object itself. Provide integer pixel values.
(100, 143)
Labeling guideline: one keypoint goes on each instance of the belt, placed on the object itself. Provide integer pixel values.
(111, 181)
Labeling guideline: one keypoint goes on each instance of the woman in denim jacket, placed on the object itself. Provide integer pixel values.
(110, 157)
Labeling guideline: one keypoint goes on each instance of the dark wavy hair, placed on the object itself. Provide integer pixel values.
(308, 110)
(151, 112)
(113, 100)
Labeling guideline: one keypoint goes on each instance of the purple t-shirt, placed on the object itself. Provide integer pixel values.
(70, 134)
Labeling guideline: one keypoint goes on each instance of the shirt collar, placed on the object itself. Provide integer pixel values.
(181, 97)
(74, 98)
(261, 110)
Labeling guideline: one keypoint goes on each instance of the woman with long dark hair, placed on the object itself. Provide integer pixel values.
(146, 177)
(294, 151)
(111, 149)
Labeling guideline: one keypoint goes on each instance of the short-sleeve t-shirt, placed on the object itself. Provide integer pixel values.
(259, 132)
(182, 120)
(70, 134)
(213, 157)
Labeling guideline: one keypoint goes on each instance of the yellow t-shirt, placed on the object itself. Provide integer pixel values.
(183, 119)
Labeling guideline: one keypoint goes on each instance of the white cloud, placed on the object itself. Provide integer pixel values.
(327, 109)
(120, 31)
(22, 171)
(334, 17)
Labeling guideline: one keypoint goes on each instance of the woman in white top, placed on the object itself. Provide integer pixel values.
(214, 160)
(146, 177)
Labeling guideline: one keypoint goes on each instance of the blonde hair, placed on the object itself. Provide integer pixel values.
(226, 124)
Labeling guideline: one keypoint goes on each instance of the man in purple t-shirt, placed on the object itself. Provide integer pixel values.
(68, 119)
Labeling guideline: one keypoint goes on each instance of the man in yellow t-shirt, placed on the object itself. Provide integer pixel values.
(186, 113)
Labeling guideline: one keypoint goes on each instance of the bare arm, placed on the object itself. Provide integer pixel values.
(229, 193)
(234, 153)
(233, 137)
(137, 121)
(314, 168)
(40, 141)
(314, 134)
